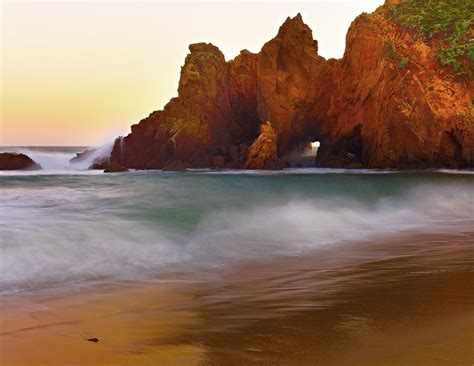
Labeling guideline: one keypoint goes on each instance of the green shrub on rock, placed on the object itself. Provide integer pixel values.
(450, 21)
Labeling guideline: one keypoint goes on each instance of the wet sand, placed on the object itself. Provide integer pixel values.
(400, 301)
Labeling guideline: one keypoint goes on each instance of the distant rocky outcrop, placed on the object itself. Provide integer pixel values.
(14, 161)
(83, 156)
(92, 161)
(97, 158)
(397, 99)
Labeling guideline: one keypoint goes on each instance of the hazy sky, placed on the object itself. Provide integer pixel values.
(80, 73)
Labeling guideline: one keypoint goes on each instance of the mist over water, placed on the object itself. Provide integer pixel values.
(70, 228)
(56, 160)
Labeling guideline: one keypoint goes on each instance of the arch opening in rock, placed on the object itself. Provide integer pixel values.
(314, 147)
(303, 156)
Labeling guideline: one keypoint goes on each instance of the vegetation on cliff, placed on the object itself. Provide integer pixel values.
(449, 22)
(392, 53)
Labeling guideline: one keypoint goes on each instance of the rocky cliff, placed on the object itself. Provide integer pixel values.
(392, 101)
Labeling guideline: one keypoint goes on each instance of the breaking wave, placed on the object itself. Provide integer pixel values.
(56, 160)
(57, 230)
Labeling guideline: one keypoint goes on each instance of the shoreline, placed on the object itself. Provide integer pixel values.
(296, 171)
(407, 308)
(68, 167)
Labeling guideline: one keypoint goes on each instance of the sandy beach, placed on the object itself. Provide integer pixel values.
(416, 307)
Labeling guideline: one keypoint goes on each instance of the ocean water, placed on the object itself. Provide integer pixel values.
(67, 226)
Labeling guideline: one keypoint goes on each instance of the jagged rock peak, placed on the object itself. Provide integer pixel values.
(206, 48)
(297, 19)
(246, 52)
(203, 59)
(296, 28)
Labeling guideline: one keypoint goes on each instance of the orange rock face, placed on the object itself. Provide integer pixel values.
(244, 119)
(368, 109)
(291, 79)
(394, 115)
(263, 152)
(191, 125)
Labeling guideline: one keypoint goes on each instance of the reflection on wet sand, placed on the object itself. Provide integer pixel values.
(401, 301)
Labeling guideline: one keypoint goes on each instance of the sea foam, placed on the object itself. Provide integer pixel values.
(57, 230)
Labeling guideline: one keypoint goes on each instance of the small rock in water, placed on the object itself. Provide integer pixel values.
(14, 161)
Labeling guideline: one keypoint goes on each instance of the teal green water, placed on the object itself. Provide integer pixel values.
(61, 226)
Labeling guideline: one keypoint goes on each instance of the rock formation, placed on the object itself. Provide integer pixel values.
(192, 126)
(390, 102)
(82, 156)
(115, 167)
(292, 79)
(393, 106)
(14, 161)
(263, 152)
